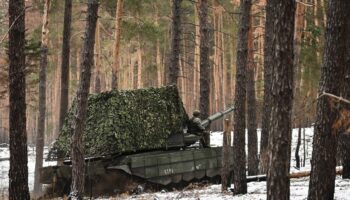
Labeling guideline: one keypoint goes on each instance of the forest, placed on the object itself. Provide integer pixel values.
(75, 73)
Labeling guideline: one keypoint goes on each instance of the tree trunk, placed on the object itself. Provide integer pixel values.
(323, 162)
(253, 161)
(173, 71)
(139, 65)
(345, 137)
(344, 140)
(204, 64)
(226, 147)
(297, 157)
(266, 111)
(281, 98)
(118, 20)
(196, 57)
(97, 88)
(40, 138)
(158, 55)
(239, 155)
(78, 174)
(65, 62)
(18, 174)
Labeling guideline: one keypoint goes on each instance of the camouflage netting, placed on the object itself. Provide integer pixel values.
(124, 121)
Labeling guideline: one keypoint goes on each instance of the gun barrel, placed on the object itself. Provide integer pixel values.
(216, 116)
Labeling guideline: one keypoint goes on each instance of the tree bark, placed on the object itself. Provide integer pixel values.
(97, 88)
(323, 162)
(281, 98)
(253, 161)
(173, 72)
(18, 174)
(266, 111)
(196, 57)
(345, 154)
(226, 147)
(239, 155)
(204, 66)
(40, 138)
(345, 137)
(78, 174)
(118, 20)
(65, 62)
(297, 157)
(139, 64)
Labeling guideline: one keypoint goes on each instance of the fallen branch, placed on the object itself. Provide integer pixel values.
(258, 178)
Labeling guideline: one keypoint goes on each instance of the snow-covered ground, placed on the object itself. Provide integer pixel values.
(5, 167)
(256, 190)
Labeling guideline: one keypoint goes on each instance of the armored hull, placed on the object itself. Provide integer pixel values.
(124, 173)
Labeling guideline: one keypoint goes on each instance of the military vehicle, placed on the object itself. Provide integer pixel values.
(135, 138)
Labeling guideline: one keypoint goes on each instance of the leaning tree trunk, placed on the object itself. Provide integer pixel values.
(266, 110)
(18, 174)
(174, 59)
(78, 175)
(281, 98)
(40, 138)
(239, 156)
(117, 34)
(253, 161)
(323, 162)
(204, 66)
(65, 61)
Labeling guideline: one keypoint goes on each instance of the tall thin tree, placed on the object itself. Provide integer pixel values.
(266, 110)
(239, 155)
(281, 98)
(117, 34)
(65, 62)
(40, 138)
(323, 162)
(204, 77)
(174, 64)
(87, 57)
(253, 161)
(18, 174)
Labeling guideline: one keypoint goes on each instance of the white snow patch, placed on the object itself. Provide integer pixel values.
(5, 167)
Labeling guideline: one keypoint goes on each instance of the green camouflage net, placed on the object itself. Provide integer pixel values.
(125, 121)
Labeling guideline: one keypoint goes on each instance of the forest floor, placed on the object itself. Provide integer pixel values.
(256, 190)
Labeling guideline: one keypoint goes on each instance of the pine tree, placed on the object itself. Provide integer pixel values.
(253, 161)
(204, 66)
(18, 174)
(239, 155)
(173, 72)
(65, 62)
(40, 138)
(281, 98)
(78, 170)
(323, 162)
(117, 34)
(266, 110)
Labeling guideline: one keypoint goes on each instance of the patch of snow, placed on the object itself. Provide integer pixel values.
(5, 167)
